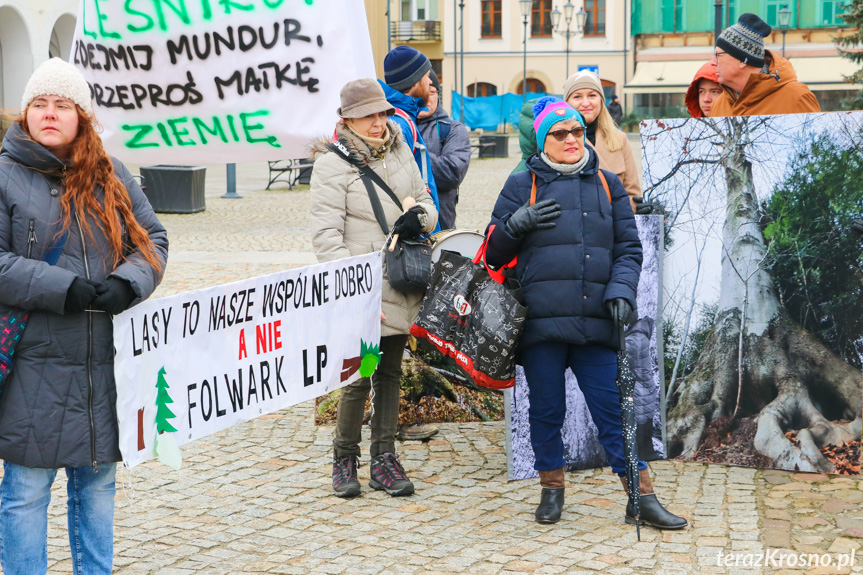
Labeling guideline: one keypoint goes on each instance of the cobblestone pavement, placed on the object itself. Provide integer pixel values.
(256, 498)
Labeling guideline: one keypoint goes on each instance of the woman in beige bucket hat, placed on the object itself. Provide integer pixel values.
(344, 225)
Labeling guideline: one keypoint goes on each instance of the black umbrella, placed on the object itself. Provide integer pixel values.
(626, 387)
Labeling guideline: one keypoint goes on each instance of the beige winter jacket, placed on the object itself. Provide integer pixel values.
(621, 162)
(343, 223)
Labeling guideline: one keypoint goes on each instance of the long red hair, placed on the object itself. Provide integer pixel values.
(92, 167)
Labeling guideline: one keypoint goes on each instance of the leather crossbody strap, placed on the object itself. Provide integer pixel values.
(368, 176)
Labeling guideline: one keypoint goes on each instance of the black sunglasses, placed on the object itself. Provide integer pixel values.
(560, 135)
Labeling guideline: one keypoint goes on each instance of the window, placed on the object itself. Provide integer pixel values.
(490, 19)
(533, 86)
(672, 16)
(773, 8)
(664, 105)
(830, 13)
(479, 89)
(541, 18)
(831, 100)
(595, 24)
(730, 13)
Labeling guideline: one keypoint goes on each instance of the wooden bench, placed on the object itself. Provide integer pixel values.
(287, 171)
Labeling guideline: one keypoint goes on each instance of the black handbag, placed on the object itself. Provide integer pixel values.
(409, 265)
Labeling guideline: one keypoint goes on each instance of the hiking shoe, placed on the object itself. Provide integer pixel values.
(387, 474)
(409, 432)
(345, 482)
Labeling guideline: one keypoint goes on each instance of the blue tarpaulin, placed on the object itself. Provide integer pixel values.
(491, 113)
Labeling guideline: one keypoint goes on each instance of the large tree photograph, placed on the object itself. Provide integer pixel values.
(763, 287)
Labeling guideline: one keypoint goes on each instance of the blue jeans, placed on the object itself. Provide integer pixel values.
(595, 368)
(24, 496)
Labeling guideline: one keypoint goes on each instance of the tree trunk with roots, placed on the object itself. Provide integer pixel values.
(757, 361)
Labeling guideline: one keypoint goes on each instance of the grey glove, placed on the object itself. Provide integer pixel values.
(536, 217)
(641, 208)
(620, 310)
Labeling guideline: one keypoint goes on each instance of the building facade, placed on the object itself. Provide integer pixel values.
(674, 38)
(484, 45)
(416, 23)
(30, 33)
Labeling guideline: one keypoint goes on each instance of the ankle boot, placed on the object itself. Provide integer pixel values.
(652, 511)
(551, 499)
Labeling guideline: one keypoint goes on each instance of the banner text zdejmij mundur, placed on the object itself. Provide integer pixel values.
(218, 81)
(196, 363)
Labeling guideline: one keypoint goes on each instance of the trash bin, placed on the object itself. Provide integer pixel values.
(305, 177)
(500, 148)
(174, 189)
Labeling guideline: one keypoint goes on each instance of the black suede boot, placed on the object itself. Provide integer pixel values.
(551, 499)
(652, 511)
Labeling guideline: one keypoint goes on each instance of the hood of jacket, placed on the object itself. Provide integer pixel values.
(356, 146)
(706, 72)
(438, 114)
(756, 94)
(408, 104)
(25, 150)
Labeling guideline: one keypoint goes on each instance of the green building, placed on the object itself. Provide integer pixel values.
(673, 38)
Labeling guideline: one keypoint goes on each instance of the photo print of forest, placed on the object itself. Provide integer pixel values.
(763, 287)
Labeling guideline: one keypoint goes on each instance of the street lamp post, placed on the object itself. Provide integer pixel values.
(525, 6)
(717, 20)
(580, 19)
(461, 73)
(784, 21)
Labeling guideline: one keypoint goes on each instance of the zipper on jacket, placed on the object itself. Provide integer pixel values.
(31, 239)
(89, 355)
(386, 173)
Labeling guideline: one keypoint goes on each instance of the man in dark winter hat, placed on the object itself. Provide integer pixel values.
(406, 85)
(449, 147)
(756, 81)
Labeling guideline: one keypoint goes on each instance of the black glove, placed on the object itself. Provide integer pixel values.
(536, 217)
(79, 295)
(620, 310)
(641, 208)
(114, 296)
(408, 225)
(857, 227)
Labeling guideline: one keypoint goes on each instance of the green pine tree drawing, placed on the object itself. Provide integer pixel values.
(163, 413)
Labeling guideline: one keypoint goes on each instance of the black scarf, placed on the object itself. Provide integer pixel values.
(591, 131)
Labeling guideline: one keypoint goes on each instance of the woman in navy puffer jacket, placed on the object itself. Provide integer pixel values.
(579, 260)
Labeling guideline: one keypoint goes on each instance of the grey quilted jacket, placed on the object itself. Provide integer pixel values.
(57, 409)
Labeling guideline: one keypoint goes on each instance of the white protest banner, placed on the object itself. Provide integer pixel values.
(218, 81)
(196, 363)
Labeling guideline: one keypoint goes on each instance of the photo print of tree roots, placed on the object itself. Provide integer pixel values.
(763, 287)
(581, 444)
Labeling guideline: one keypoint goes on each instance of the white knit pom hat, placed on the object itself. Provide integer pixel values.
(57, 77)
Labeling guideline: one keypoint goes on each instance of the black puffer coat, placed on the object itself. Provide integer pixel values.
(57, 409)
(568, 272)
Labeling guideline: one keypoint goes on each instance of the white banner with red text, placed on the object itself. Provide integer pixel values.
(196, 363)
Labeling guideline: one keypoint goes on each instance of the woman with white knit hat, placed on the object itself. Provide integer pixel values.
(78, 242)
